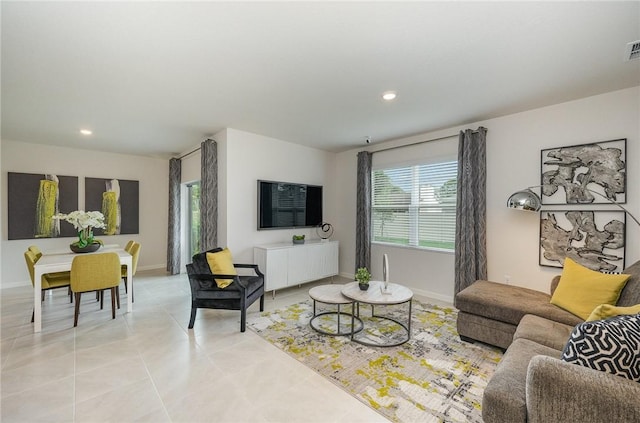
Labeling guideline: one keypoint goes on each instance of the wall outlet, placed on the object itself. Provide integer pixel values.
(507, 279)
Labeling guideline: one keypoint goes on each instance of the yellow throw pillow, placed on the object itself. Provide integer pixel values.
(221, 263)
(604, 311)
(581, 290)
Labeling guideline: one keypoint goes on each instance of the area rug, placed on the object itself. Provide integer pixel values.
(434, 377)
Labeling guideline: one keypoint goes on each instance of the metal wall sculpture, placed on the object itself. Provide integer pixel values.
(568, 173)
(595, 239)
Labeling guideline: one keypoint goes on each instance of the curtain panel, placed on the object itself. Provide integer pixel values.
(173, 238)
(471, 215)
(363, 211)
(209, 195)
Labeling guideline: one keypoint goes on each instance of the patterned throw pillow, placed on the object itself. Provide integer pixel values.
(611, 345)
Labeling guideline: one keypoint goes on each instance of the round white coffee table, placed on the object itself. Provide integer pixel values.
(332, 294)
(377, 296)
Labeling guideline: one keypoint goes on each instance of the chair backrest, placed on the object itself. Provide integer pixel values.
(31, 260)
(200, 265)
(127, 247)
(36, 251)
(135, 254)
(92, 272)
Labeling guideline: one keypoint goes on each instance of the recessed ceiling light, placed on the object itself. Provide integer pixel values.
(389, 95)
(86, 132)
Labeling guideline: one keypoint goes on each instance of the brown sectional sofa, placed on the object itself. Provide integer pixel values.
(531, 383)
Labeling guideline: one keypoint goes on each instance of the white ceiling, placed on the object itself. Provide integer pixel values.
(155, 78)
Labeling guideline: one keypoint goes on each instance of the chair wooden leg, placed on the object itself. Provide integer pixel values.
(77, 309)
(118, 296)
(262, 302)
(70, 294)
(243, 319)
(101, 299)
(32, 315)
(194, 309)
(113, 302)
(97, 295)
(125, 285)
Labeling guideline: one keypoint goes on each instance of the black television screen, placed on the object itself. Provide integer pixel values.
(287, 205)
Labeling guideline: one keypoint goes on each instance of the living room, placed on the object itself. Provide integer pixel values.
(599, 118)
(514, 142)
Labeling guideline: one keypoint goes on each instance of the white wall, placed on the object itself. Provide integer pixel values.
(513, 162)
(243, 158)
(151, 173)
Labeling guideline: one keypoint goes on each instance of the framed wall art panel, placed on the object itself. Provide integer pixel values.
(570, 174)
(34, 198)
(595, 239)
(118, 200)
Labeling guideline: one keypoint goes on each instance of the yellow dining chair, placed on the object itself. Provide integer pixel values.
(48, 281)
(95, 272)
(127, 247)
(135, 254)
(36, 251)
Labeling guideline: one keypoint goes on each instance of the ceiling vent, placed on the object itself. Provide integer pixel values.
(632, 51)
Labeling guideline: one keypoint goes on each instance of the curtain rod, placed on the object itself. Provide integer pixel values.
(193, 151)
(419, 142)
(186, 154)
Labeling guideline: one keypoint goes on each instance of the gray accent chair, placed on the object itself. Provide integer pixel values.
(239, 295)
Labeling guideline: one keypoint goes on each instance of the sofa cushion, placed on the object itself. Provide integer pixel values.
(509, 303)
(610, 345)
(504, 398)
(543, 331)
(581, 289)
(489, 331)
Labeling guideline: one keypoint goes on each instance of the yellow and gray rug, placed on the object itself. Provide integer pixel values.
(434, 377)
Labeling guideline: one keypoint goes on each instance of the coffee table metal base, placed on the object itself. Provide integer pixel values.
(380, 294)
(405, 327)
(332, 294)
(349, 316)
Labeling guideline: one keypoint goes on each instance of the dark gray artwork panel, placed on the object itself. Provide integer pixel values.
(126, 197)
(34, 198)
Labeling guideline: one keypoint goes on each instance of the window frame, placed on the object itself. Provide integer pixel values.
(416, 207)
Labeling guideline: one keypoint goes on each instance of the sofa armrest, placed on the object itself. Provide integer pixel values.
(558, 391)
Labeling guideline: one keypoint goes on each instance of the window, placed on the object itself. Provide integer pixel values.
(415, 205)
(193, 218)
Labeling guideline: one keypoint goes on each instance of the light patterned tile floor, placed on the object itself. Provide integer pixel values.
(146, 366)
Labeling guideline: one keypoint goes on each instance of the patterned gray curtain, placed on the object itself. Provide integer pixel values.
(363, 211)
(471, 215)
(208, 195)
(173, 247)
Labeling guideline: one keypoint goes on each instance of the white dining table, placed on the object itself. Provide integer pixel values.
(61, 262)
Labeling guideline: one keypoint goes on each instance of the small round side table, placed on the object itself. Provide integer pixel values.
(332, 294)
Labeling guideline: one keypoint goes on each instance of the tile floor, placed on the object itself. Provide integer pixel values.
(146, 366)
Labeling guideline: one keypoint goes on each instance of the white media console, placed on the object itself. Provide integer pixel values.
(287, 264)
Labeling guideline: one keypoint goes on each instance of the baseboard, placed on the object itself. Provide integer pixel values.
(15, 284)
(434, 295)
(153, 267)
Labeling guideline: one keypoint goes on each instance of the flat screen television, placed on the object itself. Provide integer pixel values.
(287, 205)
